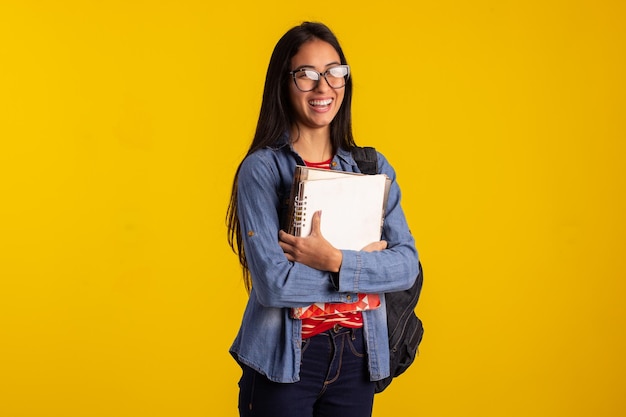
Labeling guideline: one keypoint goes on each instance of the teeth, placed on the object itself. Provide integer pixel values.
(320, 102)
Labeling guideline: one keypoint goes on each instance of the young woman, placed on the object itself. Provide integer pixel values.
(319, 364)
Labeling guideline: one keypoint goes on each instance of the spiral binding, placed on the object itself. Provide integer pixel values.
(299, 215)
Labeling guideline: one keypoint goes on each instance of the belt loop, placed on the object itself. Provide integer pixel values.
(352, 333)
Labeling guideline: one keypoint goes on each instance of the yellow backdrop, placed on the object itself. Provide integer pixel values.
(121, 125)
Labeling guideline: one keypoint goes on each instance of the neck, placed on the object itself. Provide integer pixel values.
(312, 145)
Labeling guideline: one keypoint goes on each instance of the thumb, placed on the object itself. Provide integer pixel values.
(316, 222)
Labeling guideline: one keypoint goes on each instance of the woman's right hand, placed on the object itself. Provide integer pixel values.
(312, 250)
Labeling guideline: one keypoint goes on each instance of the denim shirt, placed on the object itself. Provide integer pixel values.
(269, 340)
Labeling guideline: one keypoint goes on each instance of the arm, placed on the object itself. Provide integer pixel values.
(277, 281)
(375, 268)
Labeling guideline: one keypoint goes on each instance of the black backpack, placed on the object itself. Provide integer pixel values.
(404, 327)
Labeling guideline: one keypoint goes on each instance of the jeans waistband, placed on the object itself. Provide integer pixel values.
(338, 329)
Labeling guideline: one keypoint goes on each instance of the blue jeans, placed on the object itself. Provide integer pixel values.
(334, 381)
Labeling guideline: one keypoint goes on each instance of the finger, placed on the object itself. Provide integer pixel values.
(285, 237)
(316, 222)
(375, 246)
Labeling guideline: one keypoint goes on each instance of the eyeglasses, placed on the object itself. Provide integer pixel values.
(307, 79)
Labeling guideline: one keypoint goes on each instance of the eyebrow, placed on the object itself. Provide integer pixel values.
(313, 67)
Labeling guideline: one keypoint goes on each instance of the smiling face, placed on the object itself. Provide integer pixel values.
(315, 109)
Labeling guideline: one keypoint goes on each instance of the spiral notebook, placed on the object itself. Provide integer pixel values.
(353, 205)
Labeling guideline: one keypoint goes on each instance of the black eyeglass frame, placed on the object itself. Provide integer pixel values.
(320, 75)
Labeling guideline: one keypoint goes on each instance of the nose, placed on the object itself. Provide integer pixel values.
(322, 84)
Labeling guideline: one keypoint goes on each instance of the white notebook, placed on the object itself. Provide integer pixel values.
(352, 205)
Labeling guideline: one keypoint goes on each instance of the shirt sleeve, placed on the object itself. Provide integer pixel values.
(277, 282)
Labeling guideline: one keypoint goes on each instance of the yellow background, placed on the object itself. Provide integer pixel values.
(121, 125)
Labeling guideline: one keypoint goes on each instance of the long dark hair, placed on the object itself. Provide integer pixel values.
(276, 116)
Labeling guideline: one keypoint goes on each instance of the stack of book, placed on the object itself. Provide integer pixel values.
(352, 205)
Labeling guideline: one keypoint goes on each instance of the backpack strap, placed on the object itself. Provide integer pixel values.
(366, 158)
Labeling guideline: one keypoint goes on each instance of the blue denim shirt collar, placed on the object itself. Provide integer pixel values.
(344, 154)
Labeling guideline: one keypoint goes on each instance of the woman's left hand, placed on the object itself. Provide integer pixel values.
(313, 250)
